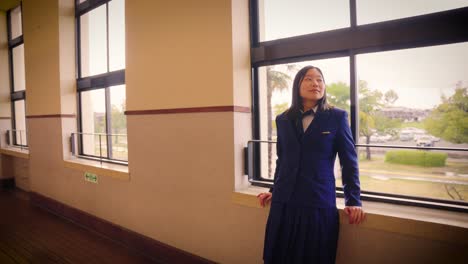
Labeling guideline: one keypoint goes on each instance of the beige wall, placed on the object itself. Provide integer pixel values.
(41, 56)
(67, 57)
(188, 45)
(183, 167)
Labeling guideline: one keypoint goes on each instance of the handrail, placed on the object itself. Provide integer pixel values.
(9, 138)
(252, 171)
(77, 145)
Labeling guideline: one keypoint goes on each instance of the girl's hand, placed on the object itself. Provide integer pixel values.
(355, 214)
(264, 198)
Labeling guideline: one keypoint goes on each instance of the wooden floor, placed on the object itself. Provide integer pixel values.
(31, 235)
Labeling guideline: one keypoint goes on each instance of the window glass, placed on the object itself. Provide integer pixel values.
(16, 23)
(403, 93)
(20, 123)
(411, 110)
(93, 42)
(102, 44)
(116, 35)
(18, 68)
(282, 19)
(118, 123)
(422, 173)
(275, 95)
(371, 11)
(93, 121)
(408, 100)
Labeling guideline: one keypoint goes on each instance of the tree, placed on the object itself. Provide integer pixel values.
(449, 120)
(391, 96)
(370, 119)
(370, 102)
(118, 121)
(278, 109)
(277, 80)
(338, 95)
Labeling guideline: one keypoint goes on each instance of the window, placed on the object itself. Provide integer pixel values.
(407, 108)
(101, 80)
(282, 19)
(403, 83)
(18, 135)
(372, 11)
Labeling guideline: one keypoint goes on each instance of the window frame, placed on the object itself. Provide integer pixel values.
(445, 27)
(95, 82)
(15, 95)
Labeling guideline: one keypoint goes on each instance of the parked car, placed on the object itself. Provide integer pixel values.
(425, 141)
(406, 136)
(418, 134)
(376, 138)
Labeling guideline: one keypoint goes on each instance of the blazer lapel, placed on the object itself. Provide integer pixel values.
(288, 129)
(319, 117)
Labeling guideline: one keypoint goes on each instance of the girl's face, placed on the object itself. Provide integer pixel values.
(312, 86)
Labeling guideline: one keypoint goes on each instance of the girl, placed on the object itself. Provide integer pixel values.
(303, 222)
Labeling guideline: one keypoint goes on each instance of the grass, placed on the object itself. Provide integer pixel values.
(377, 163)
(409, 187)
(415, 188)
(416, 157)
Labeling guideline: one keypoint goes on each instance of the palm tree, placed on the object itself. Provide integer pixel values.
(276, 81)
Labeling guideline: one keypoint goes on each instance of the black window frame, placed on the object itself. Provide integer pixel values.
(18, 95)
(95, 82)
(445, 27)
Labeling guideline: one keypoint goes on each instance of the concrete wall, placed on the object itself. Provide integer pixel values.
(183, 167)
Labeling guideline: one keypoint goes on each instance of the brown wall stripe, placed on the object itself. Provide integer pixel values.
(208, 109)
(48, 116)
(4, 118)
(157, 251)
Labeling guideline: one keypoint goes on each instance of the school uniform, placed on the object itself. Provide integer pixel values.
(303, 223)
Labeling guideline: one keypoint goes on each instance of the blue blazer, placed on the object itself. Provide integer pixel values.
(304, 169)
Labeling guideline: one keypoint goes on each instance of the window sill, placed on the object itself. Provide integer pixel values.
(433, 224)
(15, 152)
(105, 169)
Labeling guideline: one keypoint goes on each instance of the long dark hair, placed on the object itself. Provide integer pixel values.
(296, 105)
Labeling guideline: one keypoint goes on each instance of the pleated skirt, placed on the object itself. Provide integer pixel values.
(300, 235)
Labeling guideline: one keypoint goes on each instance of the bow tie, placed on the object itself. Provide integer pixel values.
(308, 112)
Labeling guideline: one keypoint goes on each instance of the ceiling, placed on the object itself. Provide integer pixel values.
(8, 4)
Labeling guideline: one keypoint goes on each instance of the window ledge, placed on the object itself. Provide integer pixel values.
(102, 169)
(433, 224)
(15, 152)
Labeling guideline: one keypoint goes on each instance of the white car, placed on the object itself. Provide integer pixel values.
(376, 138)
(406, 136)
(424, 141)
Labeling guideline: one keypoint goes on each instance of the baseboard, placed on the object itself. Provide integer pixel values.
(7, 183)
(149, 247)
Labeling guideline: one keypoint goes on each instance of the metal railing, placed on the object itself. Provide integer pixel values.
(252, 162)
(16, 138)
(260, 164)
(102, 147)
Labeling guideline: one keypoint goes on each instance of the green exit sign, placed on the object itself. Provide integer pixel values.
(91, 177)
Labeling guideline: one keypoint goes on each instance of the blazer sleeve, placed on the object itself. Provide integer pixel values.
(278, 153)
(349, 163)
